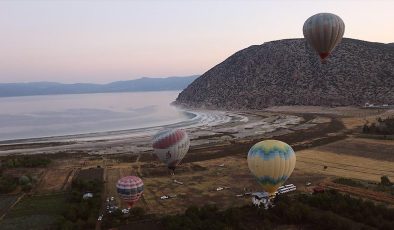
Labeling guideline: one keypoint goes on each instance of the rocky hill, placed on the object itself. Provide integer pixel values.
(288, 72)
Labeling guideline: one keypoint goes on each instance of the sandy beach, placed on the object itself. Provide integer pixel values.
(206, 127)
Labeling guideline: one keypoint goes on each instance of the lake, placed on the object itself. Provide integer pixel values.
(58, 115)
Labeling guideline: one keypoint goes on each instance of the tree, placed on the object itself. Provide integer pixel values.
(365, 129)
(384, 180)
(7, 184)
(137, 212)
(67, 225)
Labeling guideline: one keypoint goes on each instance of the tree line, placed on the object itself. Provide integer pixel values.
(330, 210)
(381, 126)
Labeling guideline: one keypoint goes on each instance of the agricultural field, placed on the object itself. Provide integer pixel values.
(362, 147)
(90, 174)
(350, 158)
(54, 180)
(35, 212)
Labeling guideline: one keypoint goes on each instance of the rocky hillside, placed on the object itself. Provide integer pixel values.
(288, 72)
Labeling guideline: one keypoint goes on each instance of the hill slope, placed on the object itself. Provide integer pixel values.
(49, 88)
(288, 72)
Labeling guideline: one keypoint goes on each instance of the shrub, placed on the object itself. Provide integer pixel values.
(23, 180)
(385, 181)
(7, 184)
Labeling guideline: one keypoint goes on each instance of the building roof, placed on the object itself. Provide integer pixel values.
(261, 194)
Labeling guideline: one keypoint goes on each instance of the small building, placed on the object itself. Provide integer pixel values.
(285, 189)
(369, 105)
(261, 199)
(87, 195)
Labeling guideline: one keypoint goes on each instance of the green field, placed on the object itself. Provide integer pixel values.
(6, 201)
(36, 212)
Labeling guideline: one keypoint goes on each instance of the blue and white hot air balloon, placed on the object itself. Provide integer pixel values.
(271, 162)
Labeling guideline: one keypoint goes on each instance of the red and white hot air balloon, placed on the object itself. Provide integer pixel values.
(130, 189)
(324, 32)
(170, 146)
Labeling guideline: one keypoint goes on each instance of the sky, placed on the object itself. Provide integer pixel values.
(104, 41)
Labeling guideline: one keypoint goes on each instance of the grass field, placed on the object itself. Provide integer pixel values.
(200, 181)
(6, 201)
(36, 212)
(345, 158)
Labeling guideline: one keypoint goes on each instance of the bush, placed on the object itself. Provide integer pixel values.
(7, 184)
(27, 187)
(381, 126)
(26, 161)
(137, 212)
(23, 180)
(349, 182)
(385, 181)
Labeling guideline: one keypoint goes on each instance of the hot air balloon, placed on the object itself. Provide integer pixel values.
(323, 32)
(130, 189)
(271, 162)
(170, 146)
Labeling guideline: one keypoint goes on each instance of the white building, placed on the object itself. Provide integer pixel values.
(261, 199)
(87, 195)
(286, 189)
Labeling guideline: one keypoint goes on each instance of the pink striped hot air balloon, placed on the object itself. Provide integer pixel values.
(170, 146)
(130, 189)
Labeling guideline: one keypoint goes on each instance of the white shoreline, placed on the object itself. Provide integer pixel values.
(207, 127)
(200, 118)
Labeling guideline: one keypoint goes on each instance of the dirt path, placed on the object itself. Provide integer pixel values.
(137, 161)
(67, 182)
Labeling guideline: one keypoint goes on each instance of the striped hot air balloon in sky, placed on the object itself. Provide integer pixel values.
(130, 189)
(271, 162)
(170, 146)
(323, 32)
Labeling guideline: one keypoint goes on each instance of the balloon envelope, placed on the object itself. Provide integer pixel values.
(170, 146)
(323, 32)
(271, 162)
(130, 189)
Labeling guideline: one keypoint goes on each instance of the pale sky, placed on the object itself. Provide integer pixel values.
(104, 41)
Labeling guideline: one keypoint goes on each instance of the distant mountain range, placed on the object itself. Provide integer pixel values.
(138, 85)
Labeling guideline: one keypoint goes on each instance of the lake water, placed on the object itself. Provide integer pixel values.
(57, 115)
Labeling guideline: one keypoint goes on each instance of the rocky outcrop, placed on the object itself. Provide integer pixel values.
(289, 72)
